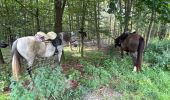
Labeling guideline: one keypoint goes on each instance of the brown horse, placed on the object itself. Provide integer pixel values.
(134, 44)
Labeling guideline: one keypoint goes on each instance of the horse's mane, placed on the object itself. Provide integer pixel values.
(122, 37)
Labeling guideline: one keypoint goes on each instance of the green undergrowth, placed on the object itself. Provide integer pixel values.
(158, 54)
(4, 96)
(152, 83)
(47, 84)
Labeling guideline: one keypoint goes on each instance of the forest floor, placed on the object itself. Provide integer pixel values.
(103, 75)
(104, 92)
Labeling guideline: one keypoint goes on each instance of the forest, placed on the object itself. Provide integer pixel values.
(95, 69)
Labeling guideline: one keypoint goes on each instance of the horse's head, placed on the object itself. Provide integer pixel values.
(117, 42)
(73, 40)
(121, 38)
(69, 37)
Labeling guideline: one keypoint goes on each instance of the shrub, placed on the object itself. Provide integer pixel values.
(94, 77)
(158, 55)
(47, 83)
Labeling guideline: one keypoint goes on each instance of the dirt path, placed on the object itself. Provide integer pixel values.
(104, 93)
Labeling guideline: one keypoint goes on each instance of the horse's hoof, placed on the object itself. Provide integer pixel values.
(134, 69)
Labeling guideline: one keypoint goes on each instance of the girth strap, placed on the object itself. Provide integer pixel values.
(29, 69)
(56, 42)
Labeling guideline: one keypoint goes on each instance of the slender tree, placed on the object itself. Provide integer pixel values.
(84, 5)
(37, 17)
(1, 58)
(96, 14)
(128, 6)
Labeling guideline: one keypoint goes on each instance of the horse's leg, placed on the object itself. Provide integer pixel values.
(121, 52)
(56, 60)
(58, 56)
(134, 59)
(71, 47)
(29, 68)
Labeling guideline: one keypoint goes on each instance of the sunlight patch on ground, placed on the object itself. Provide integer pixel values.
(103, 93)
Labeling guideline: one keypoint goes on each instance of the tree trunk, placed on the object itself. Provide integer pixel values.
(150, 27)
(128, 6)
(162, 32)
(37, 17)
(82, 26)
(1, 58)
(120, 5)
(96, 13)
(59, 6)
(70, 18)
(32, 19)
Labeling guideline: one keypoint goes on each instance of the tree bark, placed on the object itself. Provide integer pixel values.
(162, 32)
(150, 27)
(1, 58)
(120, 11)
(96, 13)
(37, 17)
(128, 6)
(59, 6)
(82, 26)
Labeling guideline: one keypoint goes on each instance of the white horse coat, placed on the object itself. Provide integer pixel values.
(29, 48)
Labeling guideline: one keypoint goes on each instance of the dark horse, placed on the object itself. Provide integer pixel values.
(132, 43)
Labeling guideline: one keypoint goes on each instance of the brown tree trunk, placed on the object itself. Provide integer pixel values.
(82, 26)
(1, 58)
(120, 5)
(128, 6)
(37, 17)
(70, 19)
(150, 27)
(162, 32)
(59, 6)
(32, 20)
(96, 13)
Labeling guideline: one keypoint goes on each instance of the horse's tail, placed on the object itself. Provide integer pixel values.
(140, 52)
(15, 61)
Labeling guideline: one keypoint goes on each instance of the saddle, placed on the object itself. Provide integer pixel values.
(42, 37)
(56, 42)
(49, 37)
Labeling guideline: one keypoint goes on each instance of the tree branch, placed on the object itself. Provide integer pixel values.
(25, 7)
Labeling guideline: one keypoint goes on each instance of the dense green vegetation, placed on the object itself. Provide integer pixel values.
(151, 83)
(103, 21)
